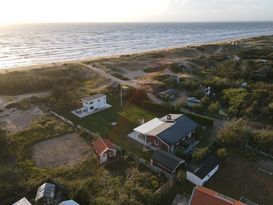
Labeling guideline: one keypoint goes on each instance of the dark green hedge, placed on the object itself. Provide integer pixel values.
(201, 119)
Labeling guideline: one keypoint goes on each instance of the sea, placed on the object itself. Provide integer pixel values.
(32, 44)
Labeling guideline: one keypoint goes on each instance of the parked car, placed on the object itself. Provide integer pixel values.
(194, 100)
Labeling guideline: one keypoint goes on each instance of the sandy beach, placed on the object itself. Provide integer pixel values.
(107, 57)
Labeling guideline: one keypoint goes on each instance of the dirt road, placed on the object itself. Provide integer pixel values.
(106, 75)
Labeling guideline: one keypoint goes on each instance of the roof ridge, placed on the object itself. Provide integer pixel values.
(103, 142)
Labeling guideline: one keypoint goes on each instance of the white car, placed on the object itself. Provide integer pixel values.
(194, 100)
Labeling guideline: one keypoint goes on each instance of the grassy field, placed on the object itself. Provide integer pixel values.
(127, 118)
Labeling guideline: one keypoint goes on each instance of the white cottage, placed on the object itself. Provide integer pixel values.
(93, 103)
(204, 172)
(105, 150)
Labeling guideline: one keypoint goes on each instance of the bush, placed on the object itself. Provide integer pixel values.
(234, 132)
(221, 153)
(201, 153)
(214, 107)
(181, 176)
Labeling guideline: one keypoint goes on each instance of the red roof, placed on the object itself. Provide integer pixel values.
(205, 196)
(102, 145)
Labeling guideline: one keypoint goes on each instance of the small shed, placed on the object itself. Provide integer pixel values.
(169, 94)
(203, 172)
(46, 194)
(105, 150)
(166, 162)
(22, 201)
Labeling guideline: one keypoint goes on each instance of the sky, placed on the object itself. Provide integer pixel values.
(33, 11)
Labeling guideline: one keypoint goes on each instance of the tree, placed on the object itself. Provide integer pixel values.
(201, 153)
(237, 99)
(234, 132)
(214, 107)
(181, 176)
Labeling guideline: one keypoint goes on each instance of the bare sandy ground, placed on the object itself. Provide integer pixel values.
(66, 150)
(14, 120)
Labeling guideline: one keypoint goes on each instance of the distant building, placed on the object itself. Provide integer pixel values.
(46, 194)
(165, 133)
(261, 74)
(167, 95)
(69, 202)
(22, 201)
(201, 174)
(105, 150)
(204, 196)
(166, 162)
(92, 104)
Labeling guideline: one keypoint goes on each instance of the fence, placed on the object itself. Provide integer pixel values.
(77, 126)
(164, 188)
(258, 151)
(167, 186)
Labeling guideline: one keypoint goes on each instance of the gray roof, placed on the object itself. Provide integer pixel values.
(69, 202)
(167, 159)
(168, 92)
(93, 97)
(22, 201)
(182, 127)
(206, 167)
(47, 190)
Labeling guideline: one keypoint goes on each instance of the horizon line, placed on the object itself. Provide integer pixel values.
(128, 22)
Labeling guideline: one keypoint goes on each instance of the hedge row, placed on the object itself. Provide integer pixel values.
(201, 119)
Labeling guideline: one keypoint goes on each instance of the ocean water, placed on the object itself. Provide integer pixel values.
(23, 45)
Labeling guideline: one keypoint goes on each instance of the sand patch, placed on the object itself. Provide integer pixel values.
(66, 150)
(14, 120)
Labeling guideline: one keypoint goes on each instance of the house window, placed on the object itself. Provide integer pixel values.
(155, 142)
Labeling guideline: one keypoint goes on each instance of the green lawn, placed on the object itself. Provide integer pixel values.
(127, 118)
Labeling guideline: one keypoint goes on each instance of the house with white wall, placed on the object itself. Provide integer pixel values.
(105, 150)
(92, 104)
(201, 174)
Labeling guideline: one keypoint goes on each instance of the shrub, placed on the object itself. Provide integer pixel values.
(214, 107)
(221, 153)
(201, 153)
(234, 132)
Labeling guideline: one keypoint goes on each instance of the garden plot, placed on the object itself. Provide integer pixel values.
(66, 150)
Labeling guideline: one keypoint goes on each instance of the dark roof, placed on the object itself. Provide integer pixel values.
(181, 128)
(206, 167)
(167, 159)
(46, 190)
(168, 92)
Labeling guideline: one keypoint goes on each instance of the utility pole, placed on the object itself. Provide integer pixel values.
(121, 93)
(121, 96)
